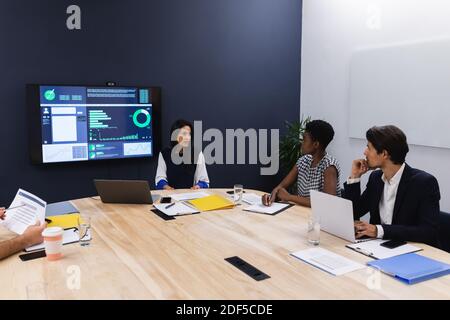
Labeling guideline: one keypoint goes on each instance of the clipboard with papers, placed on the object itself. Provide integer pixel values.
(275, 208)
(373, 249)
(175, 209)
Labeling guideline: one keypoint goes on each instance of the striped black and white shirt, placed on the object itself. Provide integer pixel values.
(311, 178)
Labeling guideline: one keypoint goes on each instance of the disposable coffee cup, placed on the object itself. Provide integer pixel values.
(53, 239)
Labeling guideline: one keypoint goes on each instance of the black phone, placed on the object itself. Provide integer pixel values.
(166, 200)
(32, 255)
(391, 244)
(232, 192)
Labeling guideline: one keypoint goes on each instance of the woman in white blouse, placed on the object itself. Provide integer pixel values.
(181, 166)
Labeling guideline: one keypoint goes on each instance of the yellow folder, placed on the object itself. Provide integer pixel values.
(214, 202)
(65, 221)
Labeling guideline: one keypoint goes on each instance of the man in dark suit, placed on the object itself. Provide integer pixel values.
(403, 202)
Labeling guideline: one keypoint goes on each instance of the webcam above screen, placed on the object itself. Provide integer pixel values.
(90, 123)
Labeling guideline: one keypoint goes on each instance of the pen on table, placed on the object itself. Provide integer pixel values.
(170, 205)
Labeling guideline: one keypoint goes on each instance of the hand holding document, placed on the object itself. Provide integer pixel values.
(25, 210)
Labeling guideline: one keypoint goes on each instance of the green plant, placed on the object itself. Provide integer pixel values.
(291, 143)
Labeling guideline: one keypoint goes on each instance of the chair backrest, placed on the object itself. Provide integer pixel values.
(444, 233)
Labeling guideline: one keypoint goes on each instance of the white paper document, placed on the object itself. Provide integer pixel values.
(327, 261)
(179, 208)
(69, 236)
(373, 249)
(250, 198)
(260, 208)
(25, 210)
(188, 195)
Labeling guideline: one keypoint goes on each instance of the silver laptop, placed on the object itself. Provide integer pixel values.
(336, 215)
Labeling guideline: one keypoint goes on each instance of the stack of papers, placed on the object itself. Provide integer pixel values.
(189, 195)
(276, 207)
(327, 261)
(249, 198)
(373, 249)
(179, 208)
(214, 202)
(411, 268)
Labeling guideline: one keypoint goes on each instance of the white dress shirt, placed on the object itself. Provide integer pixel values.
(200, 171)
(387, 200)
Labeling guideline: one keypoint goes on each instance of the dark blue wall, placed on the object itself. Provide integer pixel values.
(230, 63)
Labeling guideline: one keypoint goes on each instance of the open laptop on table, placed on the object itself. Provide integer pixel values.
(336, 215)
(124, 191)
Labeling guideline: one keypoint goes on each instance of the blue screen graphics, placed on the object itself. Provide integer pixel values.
(95, 123)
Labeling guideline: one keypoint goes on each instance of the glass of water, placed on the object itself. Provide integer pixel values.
(238, 190)
(314, 230)
(84, 231)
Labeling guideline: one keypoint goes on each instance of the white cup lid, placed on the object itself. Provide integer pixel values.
(52, 232)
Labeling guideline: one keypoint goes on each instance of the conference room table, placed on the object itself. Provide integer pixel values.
(135, 254)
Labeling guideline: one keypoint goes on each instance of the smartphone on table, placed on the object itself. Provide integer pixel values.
(166, 200)
(392, 244)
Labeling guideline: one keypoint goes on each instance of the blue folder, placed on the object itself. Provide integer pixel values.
(60, 208)
(411, 268)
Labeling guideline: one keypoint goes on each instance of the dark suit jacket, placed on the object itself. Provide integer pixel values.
(416, 209)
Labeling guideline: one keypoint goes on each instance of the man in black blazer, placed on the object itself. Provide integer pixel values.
(403, 202)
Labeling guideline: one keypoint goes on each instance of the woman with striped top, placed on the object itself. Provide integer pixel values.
(315, 170)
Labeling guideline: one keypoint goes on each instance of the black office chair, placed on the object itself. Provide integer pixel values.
(444, 233)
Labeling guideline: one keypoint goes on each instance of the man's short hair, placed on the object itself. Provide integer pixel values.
(391, 139)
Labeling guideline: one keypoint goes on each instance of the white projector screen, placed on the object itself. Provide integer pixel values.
(405, 84)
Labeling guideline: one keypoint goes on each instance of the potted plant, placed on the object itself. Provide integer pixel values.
(290, 145)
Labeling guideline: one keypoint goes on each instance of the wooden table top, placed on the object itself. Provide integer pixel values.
(135, 254)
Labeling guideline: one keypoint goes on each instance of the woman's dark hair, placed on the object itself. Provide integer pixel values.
(320, 131)
(391, 139)
(180, 123)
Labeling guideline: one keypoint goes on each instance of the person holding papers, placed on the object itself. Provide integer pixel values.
(31, 236)
(315, 170)
(181, 166)
(403, 202)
